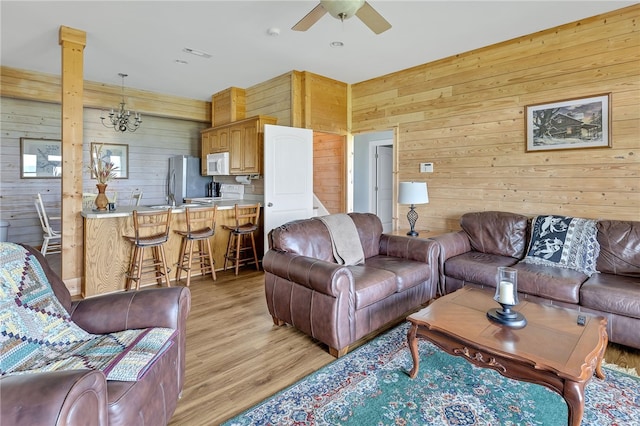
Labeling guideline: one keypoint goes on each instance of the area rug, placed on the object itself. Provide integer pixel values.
(370, 386)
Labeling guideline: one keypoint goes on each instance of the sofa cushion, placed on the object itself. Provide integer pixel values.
(612, 293)
(477, 267)
(409, 273)
(550, 282)
(304, 237)
(566, 242)
(619, 247)
(371, 284)
(500, 233)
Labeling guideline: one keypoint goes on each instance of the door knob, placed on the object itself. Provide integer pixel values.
(269, 204)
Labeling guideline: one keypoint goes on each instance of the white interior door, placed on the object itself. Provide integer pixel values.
(384, 186)
(288, 176)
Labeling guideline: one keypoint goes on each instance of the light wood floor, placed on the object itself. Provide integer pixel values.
(236, 357)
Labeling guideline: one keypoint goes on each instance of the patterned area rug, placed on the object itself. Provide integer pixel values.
(370, 386)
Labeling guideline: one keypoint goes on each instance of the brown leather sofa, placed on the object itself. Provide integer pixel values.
(491, 239)
(338, 304)
(85, 397)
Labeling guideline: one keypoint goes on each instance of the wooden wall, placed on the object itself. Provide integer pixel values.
(329, 183)
(466, 115)
(35, 86)
(273, 98)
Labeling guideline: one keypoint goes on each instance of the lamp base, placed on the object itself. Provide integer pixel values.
(412, 233)
(507, 317)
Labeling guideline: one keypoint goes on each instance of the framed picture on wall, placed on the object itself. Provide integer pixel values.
(40, 158)
(569, 124)
(118, 154)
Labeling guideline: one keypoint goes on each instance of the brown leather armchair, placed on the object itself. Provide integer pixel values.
(338, 304)
(85, 396)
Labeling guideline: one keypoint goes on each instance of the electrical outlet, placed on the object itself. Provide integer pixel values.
(426, 167)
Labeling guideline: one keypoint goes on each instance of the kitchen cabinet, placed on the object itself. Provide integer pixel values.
(244, 140)
(213, 140)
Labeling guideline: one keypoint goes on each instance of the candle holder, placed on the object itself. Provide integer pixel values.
(507, 296)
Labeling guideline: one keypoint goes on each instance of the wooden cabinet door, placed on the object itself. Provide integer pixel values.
(251, 149)
(206, 148)
(223, 140)
(236, 150)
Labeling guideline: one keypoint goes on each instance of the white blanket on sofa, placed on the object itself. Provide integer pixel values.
(345, 241)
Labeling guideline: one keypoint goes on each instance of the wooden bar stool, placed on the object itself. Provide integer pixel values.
(151, 231)
(246, 218)
(201, 225)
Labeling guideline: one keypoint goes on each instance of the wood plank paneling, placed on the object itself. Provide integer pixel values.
(149, 148)
(329, 172)
(466, 115)
(31, 85)
(272, 98)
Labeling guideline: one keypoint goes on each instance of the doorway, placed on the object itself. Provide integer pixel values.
(373, 176)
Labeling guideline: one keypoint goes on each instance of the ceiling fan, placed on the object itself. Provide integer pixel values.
(345, 9)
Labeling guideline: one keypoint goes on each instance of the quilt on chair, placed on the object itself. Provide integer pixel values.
(38, 335)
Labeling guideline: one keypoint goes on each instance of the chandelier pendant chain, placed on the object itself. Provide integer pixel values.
(122, 120)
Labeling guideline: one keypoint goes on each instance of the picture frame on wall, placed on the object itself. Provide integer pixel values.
(40, 158)
(569, 124)
(118, 154)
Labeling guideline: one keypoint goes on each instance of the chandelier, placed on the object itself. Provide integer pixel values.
(122, 120)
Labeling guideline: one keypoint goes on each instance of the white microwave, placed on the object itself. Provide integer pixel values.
(218, 164)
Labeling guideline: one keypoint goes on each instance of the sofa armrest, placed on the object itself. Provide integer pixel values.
(418, 249)
(159, 307)
(451, 244)
(56, 398)
(319, 275)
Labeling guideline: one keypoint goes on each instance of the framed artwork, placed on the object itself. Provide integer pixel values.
(118, 154)
(569, 124)
(40, 158)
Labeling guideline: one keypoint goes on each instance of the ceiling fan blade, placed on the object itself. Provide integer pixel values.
(311, 18)
(372, 19)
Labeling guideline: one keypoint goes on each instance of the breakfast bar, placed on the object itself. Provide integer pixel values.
(107, 253)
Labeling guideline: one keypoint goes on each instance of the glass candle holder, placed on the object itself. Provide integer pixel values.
(507, 296)
(507, 286)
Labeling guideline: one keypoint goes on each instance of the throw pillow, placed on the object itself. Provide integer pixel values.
(567, 242)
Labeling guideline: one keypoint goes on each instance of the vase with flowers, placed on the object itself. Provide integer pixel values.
(103, 170)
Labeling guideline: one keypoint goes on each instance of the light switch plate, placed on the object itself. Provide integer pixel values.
(426, 167)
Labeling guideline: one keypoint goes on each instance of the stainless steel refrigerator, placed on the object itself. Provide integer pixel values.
(185, 180)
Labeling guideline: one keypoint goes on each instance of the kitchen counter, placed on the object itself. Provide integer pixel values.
(107, 253)
(124, 211)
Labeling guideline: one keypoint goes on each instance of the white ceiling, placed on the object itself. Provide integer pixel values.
(145, 38)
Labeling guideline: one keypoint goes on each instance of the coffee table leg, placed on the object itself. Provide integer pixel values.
(413, 346)
(574, 396)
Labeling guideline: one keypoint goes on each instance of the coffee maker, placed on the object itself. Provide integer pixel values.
(213, 189)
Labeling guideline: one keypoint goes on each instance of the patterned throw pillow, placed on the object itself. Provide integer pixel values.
(566, 242)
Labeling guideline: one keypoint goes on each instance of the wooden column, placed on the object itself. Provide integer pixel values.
(72, 42)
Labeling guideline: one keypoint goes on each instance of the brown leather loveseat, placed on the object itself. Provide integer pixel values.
(338, 304)
(74, 397)
(491, 239)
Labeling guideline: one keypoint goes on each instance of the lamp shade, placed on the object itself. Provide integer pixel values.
(413, 193)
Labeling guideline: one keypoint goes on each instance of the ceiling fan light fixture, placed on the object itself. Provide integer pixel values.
(342, 9)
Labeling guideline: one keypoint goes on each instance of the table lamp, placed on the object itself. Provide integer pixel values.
(413, 193)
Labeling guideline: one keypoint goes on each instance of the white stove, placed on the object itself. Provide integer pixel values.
(231, 192)
(227, 192)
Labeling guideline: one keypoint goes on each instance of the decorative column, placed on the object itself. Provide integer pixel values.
(72, 42)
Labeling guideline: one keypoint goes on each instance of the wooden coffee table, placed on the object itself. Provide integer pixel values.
(552, 350)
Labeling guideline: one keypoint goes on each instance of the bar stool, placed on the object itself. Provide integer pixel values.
(151, 231)
(201, 225)
(246, 218)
